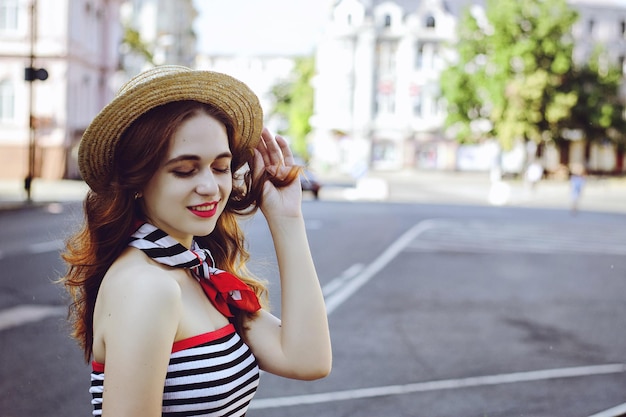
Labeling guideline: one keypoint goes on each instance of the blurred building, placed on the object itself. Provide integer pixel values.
(75, 42)
(165, 28)
(260, 72)
(84, 47)
(378, 103)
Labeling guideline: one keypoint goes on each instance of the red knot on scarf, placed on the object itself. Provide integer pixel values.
(225, 290)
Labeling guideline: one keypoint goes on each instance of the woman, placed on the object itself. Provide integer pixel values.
(171, 162)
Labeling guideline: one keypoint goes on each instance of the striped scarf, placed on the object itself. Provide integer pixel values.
(224, 289)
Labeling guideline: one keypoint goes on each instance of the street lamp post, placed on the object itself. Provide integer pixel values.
(31, 74)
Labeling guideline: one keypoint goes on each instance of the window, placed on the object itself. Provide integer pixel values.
(8, 15)
(430, 21)
(623, 28)
(417, 105)
(386, 54)
(7, 100)
(385, 99)
(387, 21)
(590, 25)
(419, 56)
(385, 102)
(425, 56)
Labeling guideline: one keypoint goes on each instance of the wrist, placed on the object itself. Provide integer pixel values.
(285, 223)
(282, 213)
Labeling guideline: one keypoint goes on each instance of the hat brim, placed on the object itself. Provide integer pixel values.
(156, 87)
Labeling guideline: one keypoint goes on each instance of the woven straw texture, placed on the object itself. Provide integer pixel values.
(156, 87)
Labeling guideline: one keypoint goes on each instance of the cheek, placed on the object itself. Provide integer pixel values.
(226, 184)
(158, 193)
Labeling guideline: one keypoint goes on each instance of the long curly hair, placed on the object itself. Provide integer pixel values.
(111, 216)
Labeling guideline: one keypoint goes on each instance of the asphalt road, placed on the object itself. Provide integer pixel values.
(435, 310)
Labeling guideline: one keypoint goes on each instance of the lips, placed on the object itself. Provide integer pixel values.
(204, 210)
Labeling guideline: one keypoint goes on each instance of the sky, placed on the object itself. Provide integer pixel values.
(251, 27)
(248, 27)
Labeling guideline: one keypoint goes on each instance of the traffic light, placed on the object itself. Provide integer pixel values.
(32, 74)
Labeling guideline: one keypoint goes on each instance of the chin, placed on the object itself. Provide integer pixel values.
(204, 231)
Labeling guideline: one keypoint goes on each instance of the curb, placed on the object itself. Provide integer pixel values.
(43, 192)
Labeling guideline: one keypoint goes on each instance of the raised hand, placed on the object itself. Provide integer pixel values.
(282, 193)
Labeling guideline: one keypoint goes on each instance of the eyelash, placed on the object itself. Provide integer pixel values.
(186, 174)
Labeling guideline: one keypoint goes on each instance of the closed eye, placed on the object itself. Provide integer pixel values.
(185, 166)
(184, 173)
(224, 170)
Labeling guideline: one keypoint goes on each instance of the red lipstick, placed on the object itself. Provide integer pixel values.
(204, 210)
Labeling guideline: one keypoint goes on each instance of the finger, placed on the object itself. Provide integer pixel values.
(270, 153)
(285, 150)
(259, 165)
(274, 151)
(262, 147)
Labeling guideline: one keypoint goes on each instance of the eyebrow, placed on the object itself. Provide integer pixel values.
(186, 157)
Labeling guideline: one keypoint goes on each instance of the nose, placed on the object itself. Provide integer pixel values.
(207, 183)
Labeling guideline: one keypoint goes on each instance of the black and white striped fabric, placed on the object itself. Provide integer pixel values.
(164, 249)
(213, 375)
(224, 289)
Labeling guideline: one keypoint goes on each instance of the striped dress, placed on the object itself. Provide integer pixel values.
(213, 374)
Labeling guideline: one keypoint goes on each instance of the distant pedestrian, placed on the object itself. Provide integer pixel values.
(577, 183)
(533, 174)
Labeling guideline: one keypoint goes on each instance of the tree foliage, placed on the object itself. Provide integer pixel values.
(132, 40)
(515, 78)
(294, 102)
(599, 110)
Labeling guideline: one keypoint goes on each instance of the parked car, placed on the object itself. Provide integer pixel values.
(309, 182)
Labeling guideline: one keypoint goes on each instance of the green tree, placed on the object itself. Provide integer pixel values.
(294, 103)
(464, 84)
(512, 64)
(132, 40)
(598, 113)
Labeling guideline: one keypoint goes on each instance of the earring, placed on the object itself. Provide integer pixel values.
(137, 195)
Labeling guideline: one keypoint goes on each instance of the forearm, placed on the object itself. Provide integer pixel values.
(305, 336)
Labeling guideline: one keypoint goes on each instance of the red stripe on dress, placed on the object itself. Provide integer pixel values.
(186, 343)
(203, 338)
(97, 367)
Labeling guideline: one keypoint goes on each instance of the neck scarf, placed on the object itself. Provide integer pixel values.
(224, 289)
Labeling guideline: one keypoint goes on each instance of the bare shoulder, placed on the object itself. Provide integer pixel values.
(135, 275)
(137, 288)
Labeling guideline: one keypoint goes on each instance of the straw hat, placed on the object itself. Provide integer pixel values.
(155, 87)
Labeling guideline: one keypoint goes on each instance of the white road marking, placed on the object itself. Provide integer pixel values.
(22, 314)
(616, 411)
(350, 287)
(486, 237)
(445, 384)
(341, 288)
(347, 275)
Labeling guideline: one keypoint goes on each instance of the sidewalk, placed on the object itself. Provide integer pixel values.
(474, 188)
(13, 196)
(428, 187)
